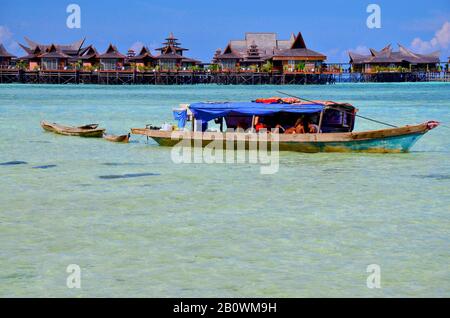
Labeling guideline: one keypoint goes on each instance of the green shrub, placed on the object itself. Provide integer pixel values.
(267, 67)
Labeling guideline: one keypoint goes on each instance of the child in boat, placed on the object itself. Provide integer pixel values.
(313, 128)
(279, 128)
(298, 128)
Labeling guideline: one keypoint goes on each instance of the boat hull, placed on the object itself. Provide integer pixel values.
(114, 138)
(392, 140)
(378, 145)
(73, 131)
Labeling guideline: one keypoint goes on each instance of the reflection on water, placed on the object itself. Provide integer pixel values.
(218, 229)
(85, 185)
(435, 176)
(44, 167)
(121, 164)
(128, 175)
(13, 163)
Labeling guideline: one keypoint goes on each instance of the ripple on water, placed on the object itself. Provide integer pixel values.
(44, 167)
(114, 164)
(13, 163)
(127, 175)
(434, 176)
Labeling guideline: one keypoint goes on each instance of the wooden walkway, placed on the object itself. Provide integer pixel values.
(220, 78)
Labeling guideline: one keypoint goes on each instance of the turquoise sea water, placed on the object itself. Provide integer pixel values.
(213, 229)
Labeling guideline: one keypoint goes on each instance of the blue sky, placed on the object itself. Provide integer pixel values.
(330, 27)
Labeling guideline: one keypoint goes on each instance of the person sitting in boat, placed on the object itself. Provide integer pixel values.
(313, 128)
(259, 124)
(298, 128)
(279, 128)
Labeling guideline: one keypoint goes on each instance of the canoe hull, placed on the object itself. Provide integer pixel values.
(114, 138)
(72, 131)
(392, 140)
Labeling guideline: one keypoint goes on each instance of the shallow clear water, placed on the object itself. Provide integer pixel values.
(218, 230)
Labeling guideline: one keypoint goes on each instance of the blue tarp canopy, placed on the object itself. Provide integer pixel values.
(210, 111)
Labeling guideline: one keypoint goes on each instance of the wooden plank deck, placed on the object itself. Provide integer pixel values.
(129, 77)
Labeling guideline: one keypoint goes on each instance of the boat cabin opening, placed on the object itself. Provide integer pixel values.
(293, 118)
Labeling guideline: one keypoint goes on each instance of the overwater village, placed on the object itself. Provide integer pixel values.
(257, 58)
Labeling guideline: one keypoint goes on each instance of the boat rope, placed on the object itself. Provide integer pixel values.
(360, 116)
(376, 121)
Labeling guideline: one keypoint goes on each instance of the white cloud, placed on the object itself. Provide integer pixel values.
(6, 38)
(5, 34)
(441, 40)
(137, 46)
(426, 24)
(360, 49)
(14, 47)
(338, 55)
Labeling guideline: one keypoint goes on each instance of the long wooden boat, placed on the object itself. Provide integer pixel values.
(114, 138)
(376, 141)
(336, 136)
(83, 131)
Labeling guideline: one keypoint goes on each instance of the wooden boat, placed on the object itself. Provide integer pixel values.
(114, 138)
(382, 141)
(336, 122)
(89, 126)
(82, 131)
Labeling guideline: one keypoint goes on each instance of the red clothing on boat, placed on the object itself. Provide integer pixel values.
(260, 126)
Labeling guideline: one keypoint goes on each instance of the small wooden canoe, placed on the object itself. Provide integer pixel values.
(83, 131)
(114, 138)
(89, 126)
